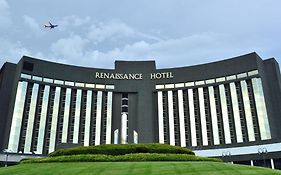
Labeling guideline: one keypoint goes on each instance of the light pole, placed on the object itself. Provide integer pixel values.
(262, 152)
(6, 151)
(226, 155)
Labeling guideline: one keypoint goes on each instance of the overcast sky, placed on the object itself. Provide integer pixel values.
(175, 33)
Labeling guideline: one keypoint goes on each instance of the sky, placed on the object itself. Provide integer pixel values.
(174, 33)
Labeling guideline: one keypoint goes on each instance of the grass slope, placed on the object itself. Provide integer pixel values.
(134, 168)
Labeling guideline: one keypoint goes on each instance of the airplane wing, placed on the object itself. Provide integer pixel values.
(50, 23)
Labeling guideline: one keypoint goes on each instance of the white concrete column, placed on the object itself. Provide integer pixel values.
(272, 164)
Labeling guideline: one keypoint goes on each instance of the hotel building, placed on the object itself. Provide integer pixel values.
(228, 109)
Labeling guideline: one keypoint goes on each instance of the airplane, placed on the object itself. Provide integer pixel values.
(51, 26)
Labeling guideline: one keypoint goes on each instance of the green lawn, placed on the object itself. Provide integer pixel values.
(134, 168)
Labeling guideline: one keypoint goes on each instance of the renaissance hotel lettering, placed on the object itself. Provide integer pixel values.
(132, 76)
(225, 108)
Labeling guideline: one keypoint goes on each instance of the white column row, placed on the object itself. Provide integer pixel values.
(19, 110)
(221, 96)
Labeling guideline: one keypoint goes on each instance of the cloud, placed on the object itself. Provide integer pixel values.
(5, 18)
(70, 48)
(69, 23)
(32, 24)
(101, 31)
(11, 51)
(190, 50)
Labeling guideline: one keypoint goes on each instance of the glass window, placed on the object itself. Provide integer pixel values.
(100, 86)
(160, 86)
(36, 78)
(90, 85)
(254, 72)
(25, 76)
(167, 86)
(179, 85)
(48, 80)
(242, 75)
(221, 79)
(199, 82)
(109, 86)
(210, 81)
(58, 81)
(69, 83)
(231, 77)
(79, 84)
(188, 84)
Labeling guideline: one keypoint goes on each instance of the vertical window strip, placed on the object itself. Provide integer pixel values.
(88, 118)
(31, 117)
(104, 117)
(61, 115)
(192, 118)
(98, 118)
(186, 118)
(43, 119)
(181, 118)
(94, 116)
(253, 110)
(25, 117)
(165, 117)
(37, 119)
(214, 116)
(203, 117)
(109, 118)
(17, 117)
(236, 114)
(219, 114)
(77, 116)
(176, 118)
(261, 109)
(160, 117)
(208, 115)
(83, 117)
(72, 115)
(197, 117)
(66, 115)
(230, 114)
(247, 108)
(171, 118)
(225, 114)
(54, 120)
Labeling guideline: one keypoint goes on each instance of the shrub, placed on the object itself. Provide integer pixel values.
(138, 157)
(122, 149)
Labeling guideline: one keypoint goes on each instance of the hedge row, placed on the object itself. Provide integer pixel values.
(122, 149)
(120, 158)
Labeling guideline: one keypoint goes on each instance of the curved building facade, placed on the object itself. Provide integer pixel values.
(228, 109)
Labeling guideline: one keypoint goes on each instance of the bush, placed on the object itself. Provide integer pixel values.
(138, 157)
(122, 149)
